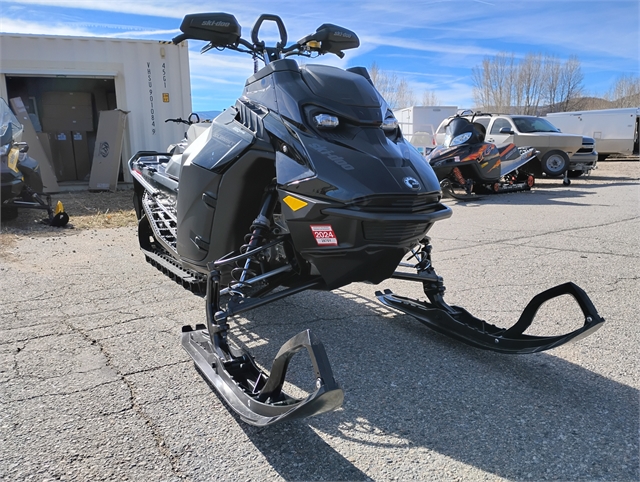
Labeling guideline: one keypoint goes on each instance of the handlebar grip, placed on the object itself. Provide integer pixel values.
(176, 40)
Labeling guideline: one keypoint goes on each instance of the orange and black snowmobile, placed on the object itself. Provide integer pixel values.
(468, 167)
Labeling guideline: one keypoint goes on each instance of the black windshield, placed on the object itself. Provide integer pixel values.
(534, 124)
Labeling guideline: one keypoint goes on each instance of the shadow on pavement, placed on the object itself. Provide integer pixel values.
(520, 417)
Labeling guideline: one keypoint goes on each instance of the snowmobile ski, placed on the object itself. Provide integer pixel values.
(256, 397)
(458, 323)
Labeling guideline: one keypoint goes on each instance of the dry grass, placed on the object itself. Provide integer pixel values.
(87, 210)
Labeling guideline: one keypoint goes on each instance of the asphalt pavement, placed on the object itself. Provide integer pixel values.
(94, 384)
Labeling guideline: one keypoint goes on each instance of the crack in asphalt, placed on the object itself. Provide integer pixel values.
(135, 406)
(153, 369)
(30, 338)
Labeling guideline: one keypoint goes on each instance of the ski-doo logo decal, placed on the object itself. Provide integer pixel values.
(332, 156)
(213, 23)
(104, 149)
(411, 183)
(324, 235)
(294, 203)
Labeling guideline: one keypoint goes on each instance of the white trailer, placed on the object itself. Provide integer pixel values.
(419, 124)
(615, 130)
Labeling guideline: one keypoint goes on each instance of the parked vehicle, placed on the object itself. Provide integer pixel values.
(21, 179)
(467, 166)
(614, 130)
(555, 147)
(306, 183)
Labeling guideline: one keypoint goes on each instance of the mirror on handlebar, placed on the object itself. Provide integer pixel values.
(220, 29)
(333, 39)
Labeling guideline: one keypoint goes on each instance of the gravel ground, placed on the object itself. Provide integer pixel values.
(95, 386)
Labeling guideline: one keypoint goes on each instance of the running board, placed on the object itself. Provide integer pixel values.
(256, 397)
(458, 323)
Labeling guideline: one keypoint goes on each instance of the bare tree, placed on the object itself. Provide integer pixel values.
(552, 69)
(396, 91)
(625, 92)
(529, 85)
(493, 82)
(502, 85)
(429, 97)
(404, 95)
(570, 82)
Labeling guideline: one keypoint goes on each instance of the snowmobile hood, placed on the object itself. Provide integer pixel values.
(370, 164)
(298, 93)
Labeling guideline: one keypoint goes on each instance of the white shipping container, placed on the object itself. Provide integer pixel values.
(149, 79)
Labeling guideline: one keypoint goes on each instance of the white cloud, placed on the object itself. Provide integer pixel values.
(38, 28)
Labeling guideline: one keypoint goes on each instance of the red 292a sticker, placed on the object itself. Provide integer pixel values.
(324, 235)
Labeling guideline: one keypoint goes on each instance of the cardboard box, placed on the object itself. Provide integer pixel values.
(67, 111)
(35, 148)
(108, 150)
(63, 158)
(78, 99)
(81, 155)
(45, 141)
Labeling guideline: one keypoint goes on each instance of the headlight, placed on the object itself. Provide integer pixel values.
(390, 122)
(461, 139)
(326, 121)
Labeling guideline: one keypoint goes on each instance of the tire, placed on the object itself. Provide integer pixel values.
(555, 163)
(602, 157)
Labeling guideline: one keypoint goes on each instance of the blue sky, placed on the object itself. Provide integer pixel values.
(434, 44)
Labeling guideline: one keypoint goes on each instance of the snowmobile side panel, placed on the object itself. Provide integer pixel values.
(510, 165)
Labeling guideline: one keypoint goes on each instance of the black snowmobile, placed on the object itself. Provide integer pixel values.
(20, 174)
(306, 183)
(468, 167)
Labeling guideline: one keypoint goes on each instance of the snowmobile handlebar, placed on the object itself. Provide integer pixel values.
(222, 31)
(188, 122)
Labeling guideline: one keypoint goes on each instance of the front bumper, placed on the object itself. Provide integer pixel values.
(583, 162)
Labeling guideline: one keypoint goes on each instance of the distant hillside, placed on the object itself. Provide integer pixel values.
(581, 103)
(207, 115)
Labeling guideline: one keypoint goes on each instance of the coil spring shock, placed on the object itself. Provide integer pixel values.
(459, 177)
(253, 240)
(467, 184)
(254, 244)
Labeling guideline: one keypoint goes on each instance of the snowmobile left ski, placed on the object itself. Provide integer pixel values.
(306, 183)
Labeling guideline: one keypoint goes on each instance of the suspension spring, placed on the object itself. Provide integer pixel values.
(459, 177)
